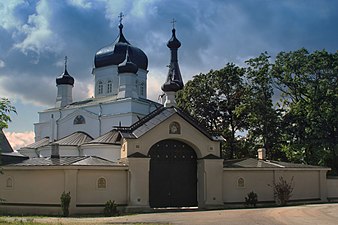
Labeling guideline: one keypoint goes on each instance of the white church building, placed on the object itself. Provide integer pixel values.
(121, 146)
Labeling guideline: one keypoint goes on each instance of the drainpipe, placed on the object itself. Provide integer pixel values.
(100, 122)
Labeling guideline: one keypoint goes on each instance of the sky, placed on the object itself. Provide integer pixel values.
(36, 35)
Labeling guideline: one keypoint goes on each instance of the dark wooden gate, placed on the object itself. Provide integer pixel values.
(173, 175)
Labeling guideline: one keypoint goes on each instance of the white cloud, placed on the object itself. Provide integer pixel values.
(2, 64)
(20, 139)
(7, 9)
(81, 3)
(39, 36)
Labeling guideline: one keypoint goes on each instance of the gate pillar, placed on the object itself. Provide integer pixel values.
(210, 183)
(138, 183)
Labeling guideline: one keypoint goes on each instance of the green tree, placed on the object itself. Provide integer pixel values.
(309, 85)
(263, 118)
(213, 99)
(5, 109)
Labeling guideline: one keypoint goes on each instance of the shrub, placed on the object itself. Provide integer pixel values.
(251, 199)
(282, 191)
(110, 209)
(65, 201)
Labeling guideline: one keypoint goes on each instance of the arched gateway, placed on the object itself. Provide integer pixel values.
(173, 175)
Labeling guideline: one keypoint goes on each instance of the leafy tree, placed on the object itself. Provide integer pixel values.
(213, 99)
(263, 118)
(309, 85)
(5, 109)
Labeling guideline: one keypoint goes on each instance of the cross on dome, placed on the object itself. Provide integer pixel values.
(66, 59)
(121, 15)
(173, 22)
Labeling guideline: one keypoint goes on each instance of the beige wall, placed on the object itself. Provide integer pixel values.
(89, 193)
(308, 184)
(332, 188)
(37, 190)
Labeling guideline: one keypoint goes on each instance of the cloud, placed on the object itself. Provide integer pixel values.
(81, 3)
(8, 19)
(38, 35)
(2, 64)
(20, 139)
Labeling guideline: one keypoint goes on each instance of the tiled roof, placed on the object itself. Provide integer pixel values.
(75, 139)
(158, 116)
(256, 163)
(5, 147)
(38, 144)
(65, 161)
(112, 137)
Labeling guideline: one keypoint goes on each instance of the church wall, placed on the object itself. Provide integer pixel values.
(258, 180)
(109, 152)
(200, 143)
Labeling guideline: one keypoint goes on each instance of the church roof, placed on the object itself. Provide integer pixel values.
(38, 144)
(101, 100)
(257, 163)
(158, 116)
(5, 147)
(65, 161)
(75, 139)
(111, 137)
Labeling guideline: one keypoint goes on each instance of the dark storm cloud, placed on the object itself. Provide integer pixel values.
(38, 34)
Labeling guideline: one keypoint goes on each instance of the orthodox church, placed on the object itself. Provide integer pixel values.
(123, 147)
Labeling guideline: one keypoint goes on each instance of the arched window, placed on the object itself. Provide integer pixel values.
(240, 182)
(9, 182)
(100, 87)
(79, 120)
(101, 183)
(109, 87)
(142, 89)
(174, 128)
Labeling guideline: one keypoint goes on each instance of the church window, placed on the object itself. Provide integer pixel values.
(174, 128)
(79, 120)
(142, 88)
(100, 88)
(240, 182)
(9, 182)
(109, 87)
(101, 183)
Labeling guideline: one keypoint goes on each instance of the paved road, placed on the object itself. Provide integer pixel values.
(321, 214)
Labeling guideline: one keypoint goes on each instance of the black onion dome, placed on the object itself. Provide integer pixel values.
(65, 78)
(127, 66)
(174, 81)
(115, 53)
(171, 86)
(174, 42)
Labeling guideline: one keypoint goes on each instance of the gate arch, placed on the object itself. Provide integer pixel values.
(172, 175)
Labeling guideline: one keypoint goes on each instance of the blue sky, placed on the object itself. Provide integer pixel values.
(36, 35)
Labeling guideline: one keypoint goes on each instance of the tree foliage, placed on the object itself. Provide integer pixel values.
(5, 109)
(288, 106)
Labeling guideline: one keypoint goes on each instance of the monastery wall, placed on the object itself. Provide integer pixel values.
(38, 191)
(332, 189)
(237, 183)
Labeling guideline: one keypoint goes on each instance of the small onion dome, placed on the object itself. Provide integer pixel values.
(127, 66)
(171, 86)
(115, 53)
(65, 78)
(173, 42)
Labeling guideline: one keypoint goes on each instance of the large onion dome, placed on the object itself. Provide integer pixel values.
(127, 66)
(115, 53)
